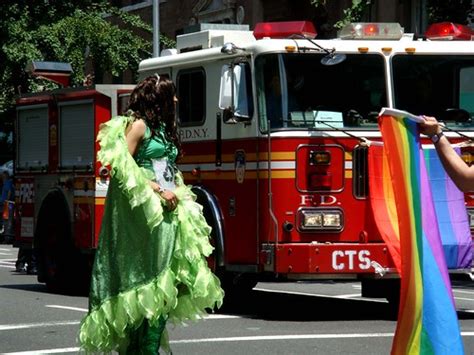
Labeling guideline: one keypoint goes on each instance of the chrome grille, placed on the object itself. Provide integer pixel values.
(360, 176)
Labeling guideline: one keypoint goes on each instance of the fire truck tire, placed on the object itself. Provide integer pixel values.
(58, 260)
(237, 284)
(234, 284)
(213, 217)
(388, 289)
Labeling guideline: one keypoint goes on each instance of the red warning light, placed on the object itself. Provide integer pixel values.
(284, 29)
(449, 31)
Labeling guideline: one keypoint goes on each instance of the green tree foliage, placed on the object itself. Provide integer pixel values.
(438, 10)
(78, 32)
(353, 13)
(449, 10)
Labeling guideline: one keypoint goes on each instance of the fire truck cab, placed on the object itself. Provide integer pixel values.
(273, 124)
(60, 190)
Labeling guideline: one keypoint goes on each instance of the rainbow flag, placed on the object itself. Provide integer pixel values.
(453, 220)
(449, 203)
(427, 319)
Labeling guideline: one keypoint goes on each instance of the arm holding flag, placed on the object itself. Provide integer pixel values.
(461, 174)
(427, 319)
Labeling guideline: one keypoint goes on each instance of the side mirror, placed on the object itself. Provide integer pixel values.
(235, 96)
(456, 115)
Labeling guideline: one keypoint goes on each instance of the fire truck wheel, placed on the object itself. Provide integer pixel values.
(388, 289)
(58, 261)
(234, 284)
(214, 218)
(239, 283)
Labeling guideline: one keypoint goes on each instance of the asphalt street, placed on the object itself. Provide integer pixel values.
(276, 318)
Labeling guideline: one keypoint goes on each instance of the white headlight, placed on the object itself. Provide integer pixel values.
(314, 219)
(332, 220)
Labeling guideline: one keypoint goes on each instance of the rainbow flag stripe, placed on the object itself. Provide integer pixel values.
(451, 213)
(382, 201)
(427, 319)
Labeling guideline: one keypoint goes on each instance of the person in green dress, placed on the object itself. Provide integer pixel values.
(150, 265)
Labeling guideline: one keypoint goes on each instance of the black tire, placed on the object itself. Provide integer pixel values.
(238, 284)
(215, 260)
(393, 298)
(59, 263)
(235, 285)
(384, 288)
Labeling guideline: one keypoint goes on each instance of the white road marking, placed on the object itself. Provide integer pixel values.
(220, 316)
(37, 325)
(315, 294)
(292, 337)
(7, 260)
(290, 292)
(46, 351)
(7, 266)
(5, 249)
(5, 253)
(463, 299)
(281, 337)
(236, 339)
(67, 307)
(209, 316)
(462, 291)
(350, 295)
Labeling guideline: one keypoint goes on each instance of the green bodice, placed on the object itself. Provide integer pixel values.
(155, 146)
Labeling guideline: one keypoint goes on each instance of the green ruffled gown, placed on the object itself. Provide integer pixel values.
(150, 265)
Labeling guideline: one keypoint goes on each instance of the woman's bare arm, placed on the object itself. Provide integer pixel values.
(134, 135)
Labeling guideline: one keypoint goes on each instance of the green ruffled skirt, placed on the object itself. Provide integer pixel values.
(150, 265)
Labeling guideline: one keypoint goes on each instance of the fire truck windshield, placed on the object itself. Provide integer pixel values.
(296, 91)
(436, 85)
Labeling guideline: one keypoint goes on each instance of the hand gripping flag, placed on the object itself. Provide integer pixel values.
(427, 319)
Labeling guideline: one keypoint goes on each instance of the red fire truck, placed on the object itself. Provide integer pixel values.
(273, 124)
(60, 188)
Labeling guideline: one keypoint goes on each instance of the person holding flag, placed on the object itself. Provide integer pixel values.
(461, 174)
(401, 186)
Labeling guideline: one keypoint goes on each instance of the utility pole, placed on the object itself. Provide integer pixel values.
(470, 15)
(419, 16)
(156, 28)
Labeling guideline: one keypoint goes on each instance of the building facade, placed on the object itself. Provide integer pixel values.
(181, 16)
(176, 16)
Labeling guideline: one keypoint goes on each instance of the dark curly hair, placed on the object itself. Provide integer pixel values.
(153, 100)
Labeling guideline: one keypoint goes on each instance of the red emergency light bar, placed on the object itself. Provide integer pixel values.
(284, 29)
(449, 31)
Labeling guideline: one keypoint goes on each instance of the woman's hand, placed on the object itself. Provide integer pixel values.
(169, 196)
(430, 126)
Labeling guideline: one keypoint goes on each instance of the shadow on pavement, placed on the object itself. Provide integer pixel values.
(289, 307)
(37, 287)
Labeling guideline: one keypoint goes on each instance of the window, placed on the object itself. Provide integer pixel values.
(191, 85)
(297, 91)
(435, 85)
(466, 89)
